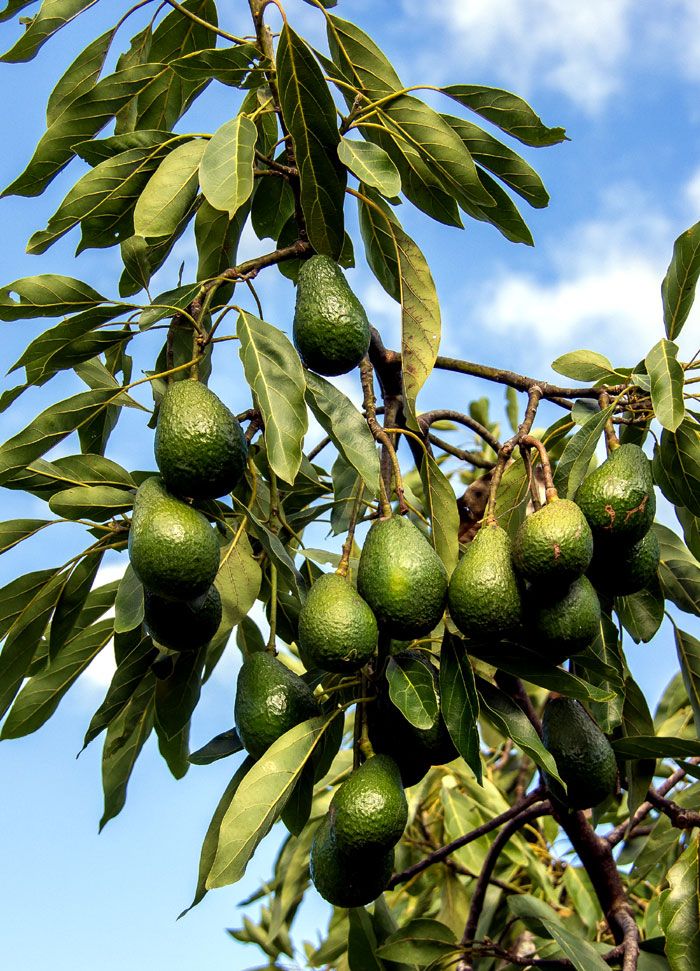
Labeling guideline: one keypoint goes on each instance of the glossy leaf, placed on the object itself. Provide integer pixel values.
(238, 581)
(226, 172)
(412, 690)
(575, 459)
(666, 376)
(371, 165)
(679, 914)
(584, 366)
(129, 603)
(688, 650)
(362, 942)
(169, 192)
(98, 503)
(677, 465)
(679, 571)
(220, 747)
(678, 287)
(642, 613)
(507, 111)
(459, 701)
(275, 375)
(443, 511)
(360, 60)
(52, 16)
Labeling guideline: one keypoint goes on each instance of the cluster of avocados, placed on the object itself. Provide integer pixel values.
(201, 454)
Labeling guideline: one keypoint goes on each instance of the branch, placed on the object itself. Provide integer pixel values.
(616, 835)
(446, 414)
(370, 410)
(471, 458)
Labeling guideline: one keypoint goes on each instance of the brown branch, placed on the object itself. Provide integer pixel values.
(616, 835)
(680, 818)
(471, 458)
(446, 414)
(379, 435)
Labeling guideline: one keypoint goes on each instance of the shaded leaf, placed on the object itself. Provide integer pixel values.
(169, 192)
(578, 950)
(656, 747)
(688, 650)
(226, 171)
(233, 66)
(512, 497)
(666, 376)
(362, 942)
(678, 287)
(642, 613)
(443, 511)
(412, 690)
(13, 531)
(177, 695)
(575, 459)
(676, 465)
(220, 747)
(459, 701)
(679, 914)
(679, 571)
(637, 720)
(421, 941)
(507, 111)
(128, 606)
(72, 599)
(275, 549)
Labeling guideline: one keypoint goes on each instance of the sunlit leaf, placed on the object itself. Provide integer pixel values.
(666, 376)
(226, 171)
(678, 287)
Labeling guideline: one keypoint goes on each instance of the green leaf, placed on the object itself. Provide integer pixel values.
(412, 690)
(72, 600)
(642, 613)
(275, 375)
(678, 287)
(177, 695)
(656, 747)
(679, 571)
(688, 650)
(17, 594)
(346, 427)
(371, 165)
(175, 750)
(584, 366)
(507, 111)
(52, 16)
(512, 722)
(236, 66)
(13, 531)
(362, 942)
(275, 549)
(273, 206)
(459, 701)
(98, 503)
(226, 172)
(238, 580)
(637, 720)
(39, 698)
(679, 914)
(13, 7)
(666, 376)
(512, 497)
(261, 798)
(220, 747)
(691, 530)
(360, 60)
(503, 214)
(421, 941)
(578, 950)
(677, 465)
(169, 192)
(575, 459)
(80, 77)
(309, 113)
(604, 666)
(47, 295)
(128, 607)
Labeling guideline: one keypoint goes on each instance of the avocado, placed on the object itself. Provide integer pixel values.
(183, 625)
(554, 545)
(331, 330)
(627, 572)
(199, 445)
(618, 497)
(585, 759)
(560, 624)
(270, 699)
(347, 880)
(402, 579)
(484, 594)
(369, 811)
(172, 548)
(337, 630)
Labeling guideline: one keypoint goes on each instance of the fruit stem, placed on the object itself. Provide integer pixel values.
(379, 434)
(550, 490)
(273, 610)
(342, 570)
(611, 440)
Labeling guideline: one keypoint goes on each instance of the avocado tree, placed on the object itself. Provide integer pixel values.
(444, 723)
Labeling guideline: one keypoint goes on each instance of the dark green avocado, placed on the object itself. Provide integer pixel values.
(585, 759)
(621, 573)
(337, 630)
(369, 811)
(347, 880)
(618, 497)
(183, 625)
(562, 623)
(331, 330)
(554, 545)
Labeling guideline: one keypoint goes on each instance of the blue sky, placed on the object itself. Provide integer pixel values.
(624, 79)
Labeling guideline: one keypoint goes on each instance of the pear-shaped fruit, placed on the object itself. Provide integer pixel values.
(347, 880)
(183, 625)
(585, 759)
(484, 593)
(369, 812)
(618, 497)
(200, 447)
(270, 699)
(561, 623)
(620, 573)
(402, 578)
(172, 548)
(331, 330)
(554, 545)
(337, 630)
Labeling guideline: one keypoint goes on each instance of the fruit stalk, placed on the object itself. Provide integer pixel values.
(370, 408)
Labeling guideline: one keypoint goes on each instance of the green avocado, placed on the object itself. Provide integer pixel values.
(484, 595)
(628, 571)
(402, 579)
(585, 759)
(337, 630)
(200, 447)
(331, 330)
(172, 548)
(369, 812)
(554, 544)
(270, 699)
(560, 624)
(184, 625)
(347, 880)
(618, 497)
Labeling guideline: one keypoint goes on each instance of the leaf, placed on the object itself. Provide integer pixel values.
(13, 531)
(678, 287)
(346, 427)
(362, 942)
(604, 665)
(575, 459)
(359, 59)
(226, 171)
(637, 720)
(47, 295)
(39, 698)
(175, 750)
(412, 690)
(666, 376)
(17, 594)
(371, 165)
(642, 613)
(238, 581)
(420, 941)
(177, 695)
(261, 798)
(52, 16)
(80, 76)
(679, 457)
(297, 809)
(236, 66)
(512, 497)
(688, 650)
(459, 701)
(309, 113)
(577, 949)
(169, 192)
(691, 530)
(444, 514)
(507, 111)
(512, 722)
(679, 571)
(584, 366)
(275, 549)
(503, 214)
(98, 503)
(679, 912)
(128, 607)
(276, 378)
(72, 599)
(656, 747)
(220, 747)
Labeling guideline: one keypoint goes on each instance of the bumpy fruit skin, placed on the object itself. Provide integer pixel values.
(585, 759)
(331, 330)
(347, 880)
(172, 548)
(484, 594)
(270, 699)
(199, 445)
(369, 812)
(560, 624)
(337, 630)
(618, 497)
(554, 544)
(184, 625)
(402, 578)
(630, 571)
